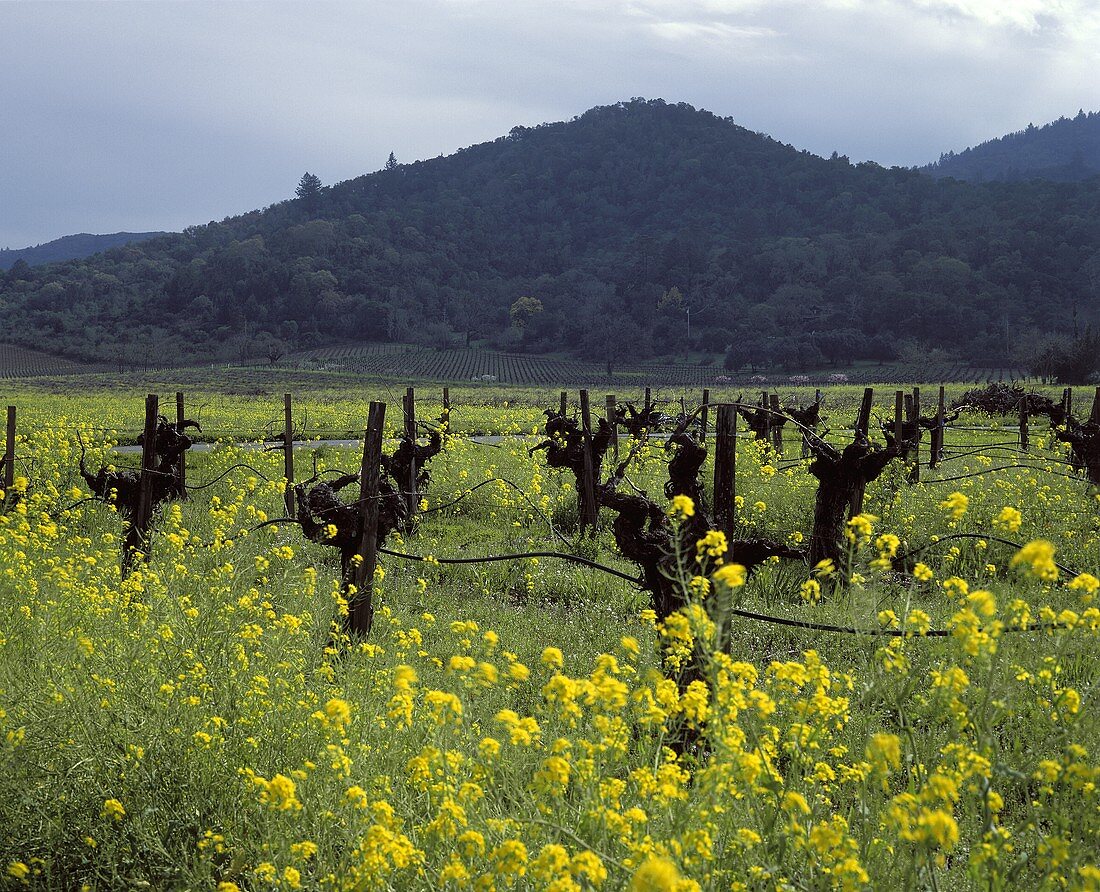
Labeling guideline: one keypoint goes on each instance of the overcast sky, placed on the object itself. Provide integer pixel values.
(150, 115)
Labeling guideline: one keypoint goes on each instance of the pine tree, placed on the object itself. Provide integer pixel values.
(391, 162)
(309, 188)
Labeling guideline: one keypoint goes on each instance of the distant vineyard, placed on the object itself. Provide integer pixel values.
(19, 362)
(408, 363)
(935, 372)
(452, 365)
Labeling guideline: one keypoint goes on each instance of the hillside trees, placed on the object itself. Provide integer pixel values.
(1064, 150)
(1067, 362)
(523, 309)
(633, 202)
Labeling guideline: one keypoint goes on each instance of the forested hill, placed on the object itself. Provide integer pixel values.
(1065, 150)
(637, 228)
(70, 247)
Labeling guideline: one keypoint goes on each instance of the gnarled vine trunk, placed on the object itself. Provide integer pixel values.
(841, 477)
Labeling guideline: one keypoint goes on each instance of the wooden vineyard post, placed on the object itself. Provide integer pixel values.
(806, 450)
(9, 452)
(914, 475)
(863, 424)
(1067, 401)
(137, 536)
(938, 431)
(563, 403)
(1094, 414)
(361, 608)
(589, 511)
(148, 467)
(725, 469)
(181, 473)
(777, 429)
(899, 417)
(765, 405)
(445, 417)
(412, 497)
(613, 423)
(863, 419)
(1023, 425)
(288, 454)
(703, 414)
(648, 404)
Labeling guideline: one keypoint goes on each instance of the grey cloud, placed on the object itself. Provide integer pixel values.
(151, 115)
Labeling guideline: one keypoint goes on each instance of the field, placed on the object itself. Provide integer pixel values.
(402, 362)
(20, 362)
(206, 722)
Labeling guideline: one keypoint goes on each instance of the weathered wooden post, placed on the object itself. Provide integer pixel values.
(1023, 425)
(137, 536)
(914, 474)
(148, 467)
(938, 431)
(361, 606)
(446, 401)
(288, 454)
(863, 419)
(589, 511)
(899, 416)
(181, 471)
(412, 497)
(9, 452)
(1094, 414)
(703, 414)
(648, 404)
(863, 424)
(775, 421)
(725, 469)
(806, 450)
(611, 416)
(1067, 401)
(563, 401)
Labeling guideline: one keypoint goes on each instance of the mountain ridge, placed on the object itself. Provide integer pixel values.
(71, 247)
(633, 229)
(1066, 150)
